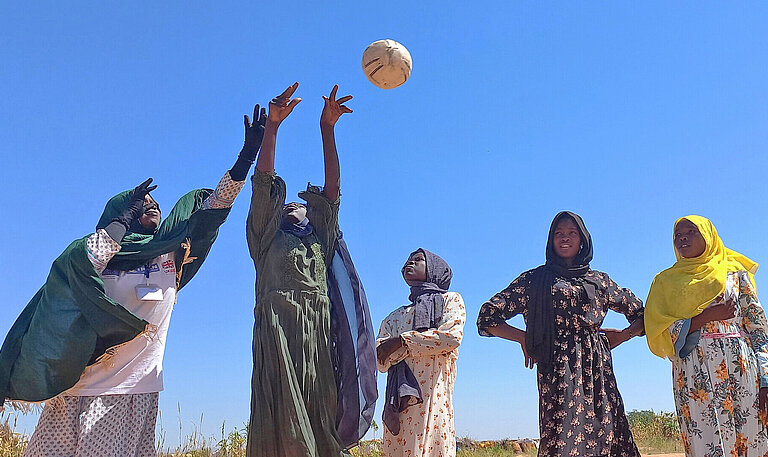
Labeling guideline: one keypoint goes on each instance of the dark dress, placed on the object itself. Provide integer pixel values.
(581, 412)
(293, 401)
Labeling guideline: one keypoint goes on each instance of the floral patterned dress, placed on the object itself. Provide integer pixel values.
(581, 412)
(426, 429)
(717, 372)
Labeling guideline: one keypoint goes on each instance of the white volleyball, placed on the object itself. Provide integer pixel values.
(387, 63)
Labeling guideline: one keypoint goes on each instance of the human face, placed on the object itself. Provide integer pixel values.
(566, 240)
(688, 240)
(294, 212)
(415, 269)
(151, 217)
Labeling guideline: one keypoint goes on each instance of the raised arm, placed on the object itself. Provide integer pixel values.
(332, 111)
(279, 108)
(233, 180)
(105, 243)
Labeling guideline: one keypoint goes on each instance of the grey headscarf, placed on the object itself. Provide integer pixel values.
(427, 296)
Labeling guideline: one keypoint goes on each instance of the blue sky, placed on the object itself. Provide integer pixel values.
(631, 114)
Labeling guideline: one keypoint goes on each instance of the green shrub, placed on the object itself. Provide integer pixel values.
(657, 432)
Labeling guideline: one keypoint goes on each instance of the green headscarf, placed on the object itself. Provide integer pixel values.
(71, 321)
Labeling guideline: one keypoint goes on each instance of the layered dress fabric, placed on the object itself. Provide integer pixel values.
(581, 412)
(353, 352)
(111, 409)
(717, 370)
(294, 391)
(426, 427)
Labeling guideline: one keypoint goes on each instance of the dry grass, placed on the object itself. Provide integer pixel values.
(494, 452)
(655, 433)
(12, 444)
(372, 448)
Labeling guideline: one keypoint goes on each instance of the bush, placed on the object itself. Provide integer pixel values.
(655, 431)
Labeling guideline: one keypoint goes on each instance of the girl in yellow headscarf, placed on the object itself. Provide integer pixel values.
(703, 314)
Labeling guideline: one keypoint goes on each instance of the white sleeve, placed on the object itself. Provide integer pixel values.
(225, 193)
(101, 248)
(444, 338)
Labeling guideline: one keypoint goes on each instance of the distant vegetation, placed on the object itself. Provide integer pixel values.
(653, 432)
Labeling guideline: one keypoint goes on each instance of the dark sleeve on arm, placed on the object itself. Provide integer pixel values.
(267, 202)
(622, 300)
(505, 305)
(116, 230)
(239, 170)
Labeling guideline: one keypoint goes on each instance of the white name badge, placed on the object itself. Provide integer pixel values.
(149, 292)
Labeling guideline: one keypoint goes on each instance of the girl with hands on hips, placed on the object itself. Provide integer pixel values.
(564, 303)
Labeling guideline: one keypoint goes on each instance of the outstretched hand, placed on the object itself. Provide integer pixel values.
(254, 132)
(141, 191)
(334, 108)
(282, 105)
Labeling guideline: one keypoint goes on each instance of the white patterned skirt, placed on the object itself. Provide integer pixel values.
(103, 426)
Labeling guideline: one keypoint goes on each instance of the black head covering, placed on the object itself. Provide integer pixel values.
(427, 296)
(580, 264)
(540, 326)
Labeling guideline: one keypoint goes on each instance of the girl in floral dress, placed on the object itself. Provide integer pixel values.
(418, 345)
(564, 302)
(704, 315)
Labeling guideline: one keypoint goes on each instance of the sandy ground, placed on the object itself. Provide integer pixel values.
(665, 455)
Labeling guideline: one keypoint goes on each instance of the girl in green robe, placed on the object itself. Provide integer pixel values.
(294, 398)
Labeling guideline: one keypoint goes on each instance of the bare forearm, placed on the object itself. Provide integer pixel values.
(387, 348)
(636, 328)
(331, 160)
(699, 321)
(265, 163)
(616, 337)
(507, 332)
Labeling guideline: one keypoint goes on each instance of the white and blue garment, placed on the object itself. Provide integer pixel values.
(353, 346)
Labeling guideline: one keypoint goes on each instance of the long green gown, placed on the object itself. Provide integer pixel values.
(293, 399)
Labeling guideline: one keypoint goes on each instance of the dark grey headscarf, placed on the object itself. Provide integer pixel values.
(427, 296)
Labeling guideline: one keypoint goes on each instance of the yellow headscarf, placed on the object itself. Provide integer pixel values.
(685, 289)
